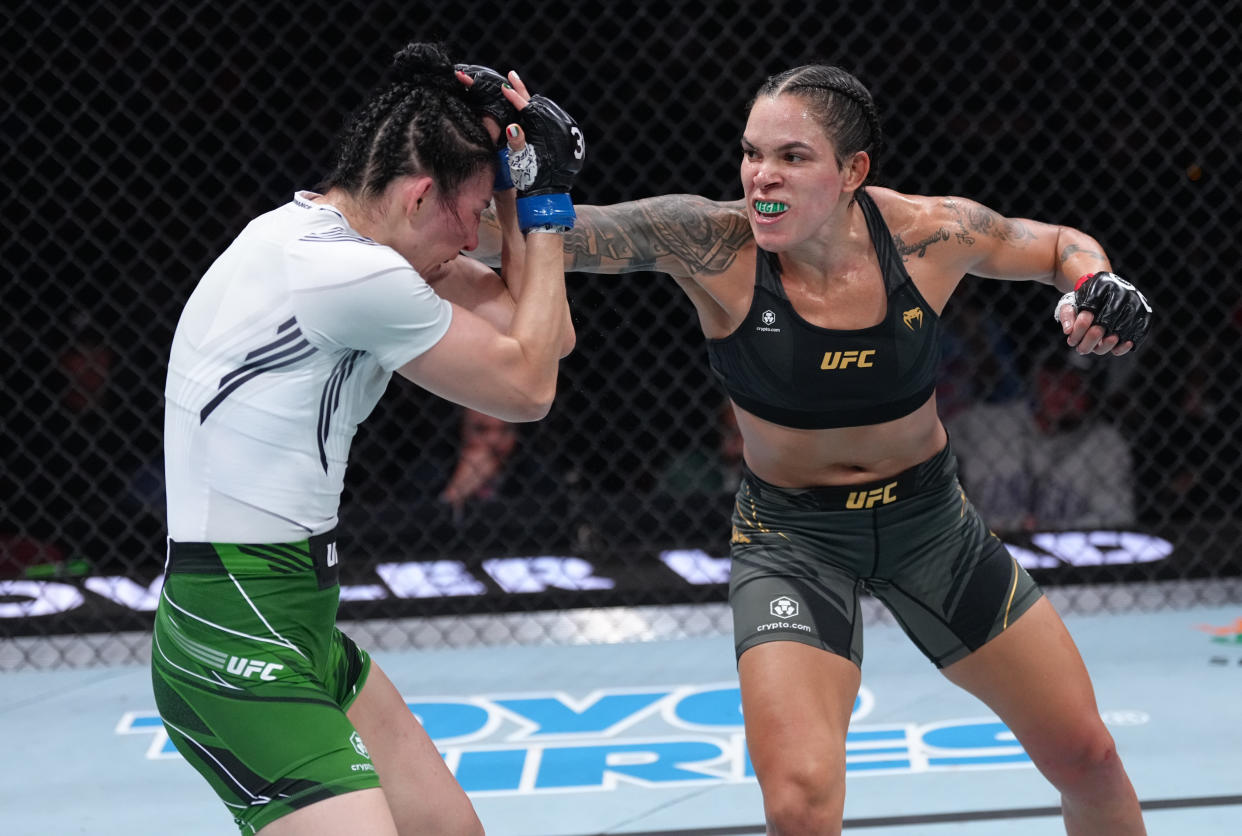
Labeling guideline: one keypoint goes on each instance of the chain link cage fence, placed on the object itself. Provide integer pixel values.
(141, 137)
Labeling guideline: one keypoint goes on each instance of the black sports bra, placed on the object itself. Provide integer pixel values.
(785, 370)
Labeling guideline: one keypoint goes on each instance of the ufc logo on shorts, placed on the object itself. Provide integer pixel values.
(844, 359)
(243, 667)
(871, 498)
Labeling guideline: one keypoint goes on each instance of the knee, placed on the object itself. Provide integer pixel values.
(1080, 758)
(804, 799)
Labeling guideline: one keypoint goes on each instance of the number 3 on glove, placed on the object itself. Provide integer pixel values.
(544, 170)
(524, 165)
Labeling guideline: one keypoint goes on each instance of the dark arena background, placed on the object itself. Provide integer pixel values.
(141, 137)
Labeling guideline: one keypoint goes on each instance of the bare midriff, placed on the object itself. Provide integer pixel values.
(796, 458)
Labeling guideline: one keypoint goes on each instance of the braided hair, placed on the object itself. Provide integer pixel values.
(840, 102)
(416, 122)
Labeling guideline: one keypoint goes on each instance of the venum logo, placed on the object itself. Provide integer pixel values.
(844, 359)
(783, 607)
(913, 317)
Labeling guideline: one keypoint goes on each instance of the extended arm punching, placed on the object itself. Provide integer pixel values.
(682, 235)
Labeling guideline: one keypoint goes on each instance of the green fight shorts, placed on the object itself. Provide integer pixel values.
(252, 678)
(801, 557)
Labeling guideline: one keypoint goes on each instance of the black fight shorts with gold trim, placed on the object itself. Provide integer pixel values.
(801, 557)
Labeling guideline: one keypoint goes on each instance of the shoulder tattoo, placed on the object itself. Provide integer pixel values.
(704, 236)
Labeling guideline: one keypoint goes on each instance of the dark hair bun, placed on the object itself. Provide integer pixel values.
(425, 65)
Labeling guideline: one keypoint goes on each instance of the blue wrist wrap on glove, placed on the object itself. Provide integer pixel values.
(555, 208)
(504, 177)
(543, 171)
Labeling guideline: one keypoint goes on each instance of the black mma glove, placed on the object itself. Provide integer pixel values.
(486, 94)
(544, 170)
(1119, 307)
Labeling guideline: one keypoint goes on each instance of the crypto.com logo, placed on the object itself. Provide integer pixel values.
(783, 607)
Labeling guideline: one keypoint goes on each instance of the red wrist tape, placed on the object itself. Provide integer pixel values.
(1082, 280)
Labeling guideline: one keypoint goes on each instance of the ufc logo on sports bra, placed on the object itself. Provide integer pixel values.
(871, 498)
(845, 359)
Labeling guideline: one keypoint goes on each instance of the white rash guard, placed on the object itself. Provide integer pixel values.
(283, 348)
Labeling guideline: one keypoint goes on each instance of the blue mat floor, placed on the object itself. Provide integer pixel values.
(645, 738)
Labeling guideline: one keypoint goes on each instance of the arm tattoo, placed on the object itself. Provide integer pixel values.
(1074, 249)
(973, 218)
(920, 249)
(962, 234)
(703, 236)
(988, 222)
